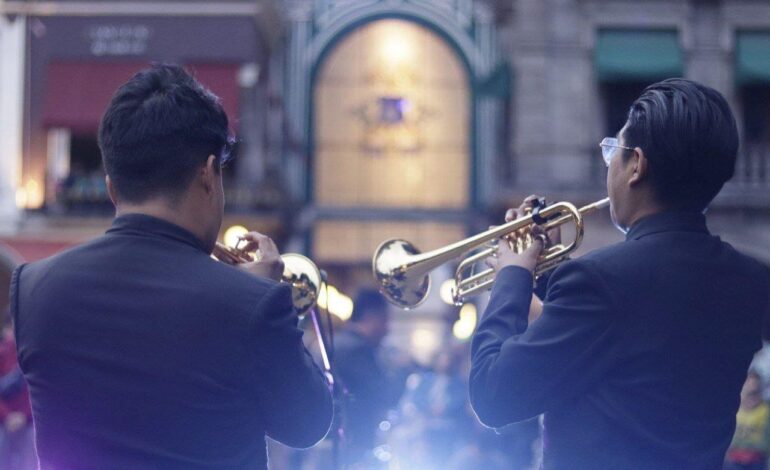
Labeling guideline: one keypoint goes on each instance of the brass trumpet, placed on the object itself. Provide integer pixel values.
(306, 282)
(298, 271)
(403, 272)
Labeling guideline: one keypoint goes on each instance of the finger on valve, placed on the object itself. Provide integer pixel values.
(539, 236)
(255, 241)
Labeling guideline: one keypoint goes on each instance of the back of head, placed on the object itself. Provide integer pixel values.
(368, 303)
(158, 129)
(689, 137)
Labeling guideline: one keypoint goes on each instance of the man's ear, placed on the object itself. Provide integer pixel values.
(111, 190)
(209, 173)
(639, 166)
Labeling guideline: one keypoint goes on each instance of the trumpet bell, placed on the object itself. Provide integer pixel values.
(299, 272)
(305, 280)
(404, 287)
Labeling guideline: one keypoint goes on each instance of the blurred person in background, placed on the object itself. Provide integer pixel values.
(17, 440)
(641, 349)
(435, 406)
(761, 366)
(751, 442)
(139, 349)
(372, 387)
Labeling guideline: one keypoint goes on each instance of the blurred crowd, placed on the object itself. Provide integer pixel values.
(398, 414)
(395, 413)
(17, 448)
(401, 415)
(750, 448)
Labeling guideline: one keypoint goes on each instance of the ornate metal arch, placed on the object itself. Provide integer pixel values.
(465, 24)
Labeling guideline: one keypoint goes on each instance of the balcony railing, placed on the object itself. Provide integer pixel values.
(749, 188)
(86, 194)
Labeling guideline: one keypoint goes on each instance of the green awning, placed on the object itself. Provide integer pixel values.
(752, 57)
(638, 55)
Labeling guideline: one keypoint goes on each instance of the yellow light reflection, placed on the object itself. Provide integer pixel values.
(466, 325)
(21, 198)
(447, 287)
(337, 303)
(233, 233)
(424, 341)
(30, 196)
(396, 49)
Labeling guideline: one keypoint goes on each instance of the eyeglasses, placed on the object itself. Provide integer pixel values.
(227, 155)
(608, 145)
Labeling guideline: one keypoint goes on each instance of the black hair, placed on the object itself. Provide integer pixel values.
(159, 128)
(689, 136)
(368, 302)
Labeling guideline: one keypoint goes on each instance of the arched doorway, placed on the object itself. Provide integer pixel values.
(391, 132)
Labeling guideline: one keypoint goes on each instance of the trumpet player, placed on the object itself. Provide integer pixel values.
(139, 349)
(640, 349)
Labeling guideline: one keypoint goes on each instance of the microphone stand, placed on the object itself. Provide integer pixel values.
(335, 387)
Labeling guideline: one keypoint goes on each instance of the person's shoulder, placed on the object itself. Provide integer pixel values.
(744, 260)
(751, 269)
(34, 270)
(240, 289)
(596, 262)
(598, 273)
(233, 278)
(625, 258)
(616, 252)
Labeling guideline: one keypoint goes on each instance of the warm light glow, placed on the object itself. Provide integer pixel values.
(329, 291)
(337, 303)
(424, 342)
(446, 291)
(468, 313)
(30, 196)
(233, 233)
(465, 326)
(396, 49)
(21, 198)
(414, 175)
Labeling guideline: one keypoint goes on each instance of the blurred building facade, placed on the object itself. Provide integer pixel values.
(399, 139)
(362, 120)
(62, 61)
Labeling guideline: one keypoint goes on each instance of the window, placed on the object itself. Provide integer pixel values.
(626, 62)
(752, 73)
(83, 189)
(754, 158)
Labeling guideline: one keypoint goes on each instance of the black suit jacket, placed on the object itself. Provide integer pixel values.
(143, 352)
(640, 353)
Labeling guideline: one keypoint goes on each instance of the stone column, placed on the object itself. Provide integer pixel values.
(12, 60)
(553, 83)
(571, 134)
(708, 59)
(530, 97)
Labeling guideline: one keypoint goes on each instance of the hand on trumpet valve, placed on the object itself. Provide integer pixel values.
(268, 263)
(526, 207)
(523, 247)
(527, 259)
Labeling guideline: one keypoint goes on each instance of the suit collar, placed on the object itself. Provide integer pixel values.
(142, 224)
(668, 221)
